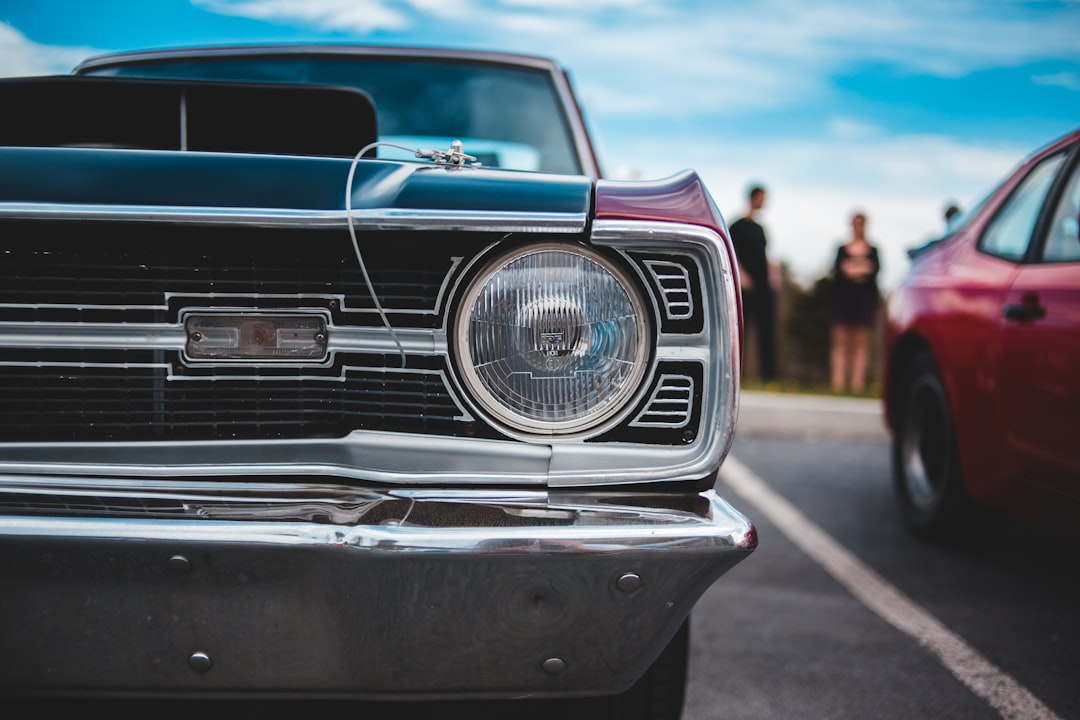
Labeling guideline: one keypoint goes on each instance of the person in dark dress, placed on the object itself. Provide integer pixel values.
(853, 309)
(758, 296)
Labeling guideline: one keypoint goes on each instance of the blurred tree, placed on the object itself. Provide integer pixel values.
(805, 328)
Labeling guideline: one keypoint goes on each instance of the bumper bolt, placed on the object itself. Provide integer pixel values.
(629, 582)
(554, 666)
(200, 662)
(179, 564)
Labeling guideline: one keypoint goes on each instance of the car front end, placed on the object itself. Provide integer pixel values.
(279, 423)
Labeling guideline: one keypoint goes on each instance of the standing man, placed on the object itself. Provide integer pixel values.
(758, 297)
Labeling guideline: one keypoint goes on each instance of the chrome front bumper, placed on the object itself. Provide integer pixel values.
(298, 589)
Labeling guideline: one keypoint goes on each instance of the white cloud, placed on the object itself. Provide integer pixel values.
(578, 5)
(19, 56)
(355, 15)
(901, 183)
(1067, 80)
(846, 128)
(955, 37)
(538, 23)
(738, 57)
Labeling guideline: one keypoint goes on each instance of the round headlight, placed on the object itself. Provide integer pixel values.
(552, 339)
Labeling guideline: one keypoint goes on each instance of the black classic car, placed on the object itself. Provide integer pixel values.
(341, 372)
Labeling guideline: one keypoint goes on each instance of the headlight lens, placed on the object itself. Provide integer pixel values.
(552, 339)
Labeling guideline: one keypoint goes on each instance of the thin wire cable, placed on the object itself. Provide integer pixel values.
(356, 243)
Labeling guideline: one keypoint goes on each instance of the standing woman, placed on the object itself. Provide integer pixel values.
(854, 308)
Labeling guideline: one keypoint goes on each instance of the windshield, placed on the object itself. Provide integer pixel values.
(506, 116)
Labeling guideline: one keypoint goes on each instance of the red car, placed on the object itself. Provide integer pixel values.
(982, 389)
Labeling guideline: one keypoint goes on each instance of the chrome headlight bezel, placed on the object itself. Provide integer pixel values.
(612, 407)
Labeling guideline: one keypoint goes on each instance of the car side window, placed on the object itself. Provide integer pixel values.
(1009, 233)
(1063, 234)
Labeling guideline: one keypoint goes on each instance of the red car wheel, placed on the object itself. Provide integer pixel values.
(926, 472)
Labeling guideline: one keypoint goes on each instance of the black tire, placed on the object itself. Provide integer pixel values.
(926, 470)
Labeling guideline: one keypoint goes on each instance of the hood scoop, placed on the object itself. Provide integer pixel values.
(184, 115)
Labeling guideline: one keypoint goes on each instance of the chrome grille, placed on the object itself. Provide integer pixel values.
(119, 273)
(670, 405)
(129, 275)
(673, 279)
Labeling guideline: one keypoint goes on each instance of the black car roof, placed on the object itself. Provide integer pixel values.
(210, 51)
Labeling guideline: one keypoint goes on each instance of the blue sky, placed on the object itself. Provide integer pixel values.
(890, 108)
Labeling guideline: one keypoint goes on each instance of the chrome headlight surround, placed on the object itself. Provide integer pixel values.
(553, 340)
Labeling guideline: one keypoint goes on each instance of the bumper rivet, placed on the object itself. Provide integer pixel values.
(179, 564)
(200, 662)
(554, 666)
(629, 582)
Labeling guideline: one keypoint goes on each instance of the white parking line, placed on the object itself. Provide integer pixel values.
(1003, 693)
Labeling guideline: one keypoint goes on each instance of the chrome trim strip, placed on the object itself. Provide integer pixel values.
(171, 336)
(95, 336)
(183, 122)
(599, 522)
(372, 456)
(444, 288)
(79, 306)
(376, 219)
(175, 299)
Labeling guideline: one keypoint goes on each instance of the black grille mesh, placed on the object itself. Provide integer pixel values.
(116, 272)
(147, 272)
(137, 403)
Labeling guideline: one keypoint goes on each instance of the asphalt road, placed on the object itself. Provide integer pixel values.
(840, 613)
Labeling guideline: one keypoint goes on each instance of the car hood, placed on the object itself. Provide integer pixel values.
(112, 177)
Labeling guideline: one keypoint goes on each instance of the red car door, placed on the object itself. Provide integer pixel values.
(1039, 382)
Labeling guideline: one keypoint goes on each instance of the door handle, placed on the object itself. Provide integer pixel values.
(1029, 310)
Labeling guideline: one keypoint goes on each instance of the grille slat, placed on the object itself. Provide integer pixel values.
(114, 403)
(671, 403)
(136, 264)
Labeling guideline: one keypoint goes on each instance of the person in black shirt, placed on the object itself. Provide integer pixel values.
(758, 296)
